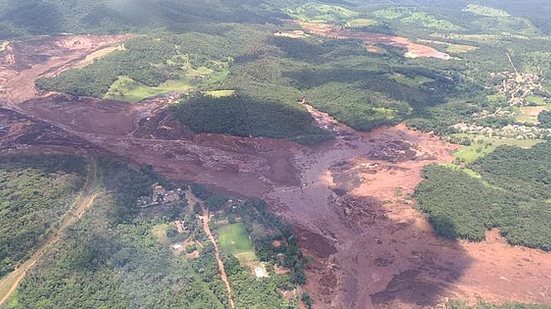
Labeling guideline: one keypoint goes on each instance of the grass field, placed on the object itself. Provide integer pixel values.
(128, 90)
(468, 171)
(485, 11)
(410, 81)
(534, 99)
(159, 231)
(528, 114)
(482, 145)
(497, 98)
(361, 23)
(451, 47)
(460, 48)
(234, 240)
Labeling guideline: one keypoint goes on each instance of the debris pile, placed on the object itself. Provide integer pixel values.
(392, 151)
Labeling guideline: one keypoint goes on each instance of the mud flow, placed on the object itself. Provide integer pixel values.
(349, 200)
(414, 50)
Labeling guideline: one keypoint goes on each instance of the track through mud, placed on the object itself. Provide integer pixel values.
(349, 199)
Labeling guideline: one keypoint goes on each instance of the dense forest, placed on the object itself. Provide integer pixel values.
(36, 193)
(508, 189)
(245, 116)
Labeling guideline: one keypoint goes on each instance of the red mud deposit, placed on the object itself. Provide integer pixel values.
(414, 50)
(349, 200)
(23, 62)
(379, 251)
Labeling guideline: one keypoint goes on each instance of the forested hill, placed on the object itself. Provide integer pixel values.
(37, 17)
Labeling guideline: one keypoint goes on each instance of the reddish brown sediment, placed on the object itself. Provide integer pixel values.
(414, 50)
(349, 199)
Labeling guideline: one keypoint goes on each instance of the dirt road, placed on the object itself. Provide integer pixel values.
(192, 200)
(9, 284)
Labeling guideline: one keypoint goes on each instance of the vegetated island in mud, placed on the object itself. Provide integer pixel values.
(349, 199)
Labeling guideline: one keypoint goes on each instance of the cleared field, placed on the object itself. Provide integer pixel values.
(528, 114)
(460, 48)
(468, 37)
(128, 90)
(234, 240)
(452, 48)
(485, 11)
(361, 23)
(534, 99)
(410, 81)
(159, 231)
(482, 146)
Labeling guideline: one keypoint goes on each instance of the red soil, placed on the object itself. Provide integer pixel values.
(414, 49)
(349, 199)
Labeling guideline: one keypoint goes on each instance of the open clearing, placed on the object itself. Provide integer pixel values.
(234, 240)
(370, 246)
(361, 23)
(482, 145)
(529, 114)
(128, 90)
(451, 47)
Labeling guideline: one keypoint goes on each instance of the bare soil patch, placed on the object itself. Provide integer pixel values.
(23, 62)
(414, 50)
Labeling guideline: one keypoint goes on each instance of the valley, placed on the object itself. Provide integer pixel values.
(327, 156)
(350, 200)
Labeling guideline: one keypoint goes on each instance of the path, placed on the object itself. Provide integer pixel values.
(512, 63)
(206, 219)
(9, 284)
